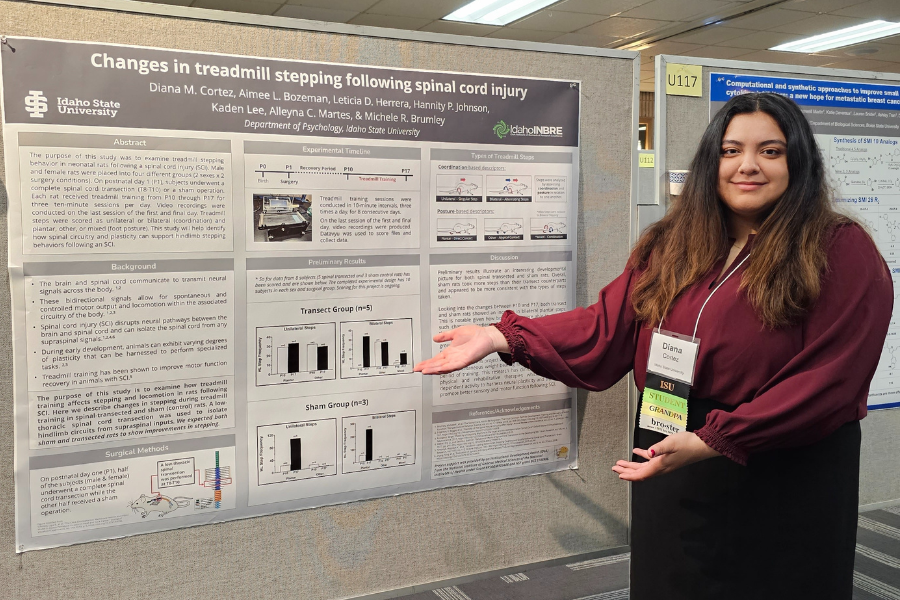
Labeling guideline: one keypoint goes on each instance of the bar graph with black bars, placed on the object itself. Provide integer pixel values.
(295, 353)
(375, 348)
(378, 441)
(297, 450)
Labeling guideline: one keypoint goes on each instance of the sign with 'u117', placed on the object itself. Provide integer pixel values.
(684, 80)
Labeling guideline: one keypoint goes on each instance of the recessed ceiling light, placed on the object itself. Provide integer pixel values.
(497, 12)
(842, 37)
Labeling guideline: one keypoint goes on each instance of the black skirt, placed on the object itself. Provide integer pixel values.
(783, 527)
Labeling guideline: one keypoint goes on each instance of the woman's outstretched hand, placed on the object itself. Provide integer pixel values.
(672, 453)
(468, 345)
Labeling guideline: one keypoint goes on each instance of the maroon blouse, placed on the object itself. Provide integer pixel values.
(791, 386)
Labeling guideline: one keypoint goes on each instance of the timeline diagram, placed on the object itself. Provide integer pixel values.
(378, 441)
(509, 188)
(296, 451)
(295, 353)
(326, 173)
(373, 348)
(459, 188)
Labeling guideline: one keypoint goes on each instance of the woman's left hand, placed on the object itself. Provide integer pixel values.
(672, 453)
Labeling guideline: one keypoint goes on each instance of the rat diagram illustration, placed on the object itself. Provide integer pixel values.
(502, 227)
(456, 227)
(461, 187)
(512, 187)
(182, 474)
(145, 505)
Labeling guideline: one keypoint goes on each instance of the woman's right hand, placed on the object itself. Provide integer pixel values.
(468, 345)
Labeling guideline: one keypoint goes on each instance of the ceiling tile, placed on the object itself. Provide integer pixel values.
(861, 64)
(430, 9)
(583, 39)
(244, 6)
(712, 34)
(525, 35)
(818, 24)
(389, 21)
(315, 13)
(669, 47)
(889, 52)
(682, 10)
(720, 52)
(767, 17)
(622, 27)
(820, 6)
(599, 7)
(873, 9)
(761, 40)
(789, 58)
(894, 39)
(357, 5)
(556, 20)
(457, 28)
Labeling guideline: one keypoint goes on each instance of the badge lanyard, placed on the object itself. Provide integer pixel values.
(670, 374)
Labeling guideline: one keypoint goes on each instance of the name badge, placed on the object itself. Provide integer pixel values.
(673, 356)
(670, 373)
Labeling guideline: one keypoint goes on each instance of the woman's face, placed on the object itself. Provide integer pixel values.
(753, 171)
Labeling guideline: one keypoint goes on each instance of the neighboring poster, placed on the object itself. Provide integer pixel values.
(224, 268)
(857, 127)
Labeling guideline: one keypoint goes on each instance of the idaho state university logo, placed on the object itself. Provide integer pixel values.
(36, 104)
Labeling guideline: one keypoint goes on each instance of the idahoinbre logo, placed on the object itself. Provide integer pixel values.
(503, 129)
(36, 104)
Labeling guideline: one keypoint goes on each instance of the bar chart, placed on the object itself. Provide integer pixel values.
(295, 353)
(296, 451)
(378, 441)
(373, 348)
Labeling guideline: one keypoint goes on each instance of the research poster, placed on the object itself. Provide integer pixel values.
(224, 268)
(857, 127)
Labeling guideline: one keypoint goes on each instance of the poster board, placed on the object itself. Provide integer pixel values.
(682, 122)
(132, 173)
(606, 189)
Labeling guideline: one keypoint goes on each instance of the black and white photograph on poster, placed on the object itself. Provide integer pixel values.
(282, 217)
(276, 267)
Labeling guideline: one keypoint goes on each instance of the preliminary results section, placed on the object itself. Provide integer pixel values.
(332, 324)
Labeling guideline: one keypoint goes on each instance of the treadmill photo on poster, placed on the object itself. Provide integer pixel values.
(282, 217)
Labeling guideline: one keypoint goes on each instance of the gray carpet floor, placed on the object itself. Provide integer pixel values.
(876, 576)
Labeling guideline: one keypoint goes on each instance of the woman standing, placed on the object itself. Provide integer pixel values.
(786, 305)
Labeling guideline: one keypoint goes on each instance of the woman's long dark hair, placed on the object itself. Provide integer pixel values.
(783, 276)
